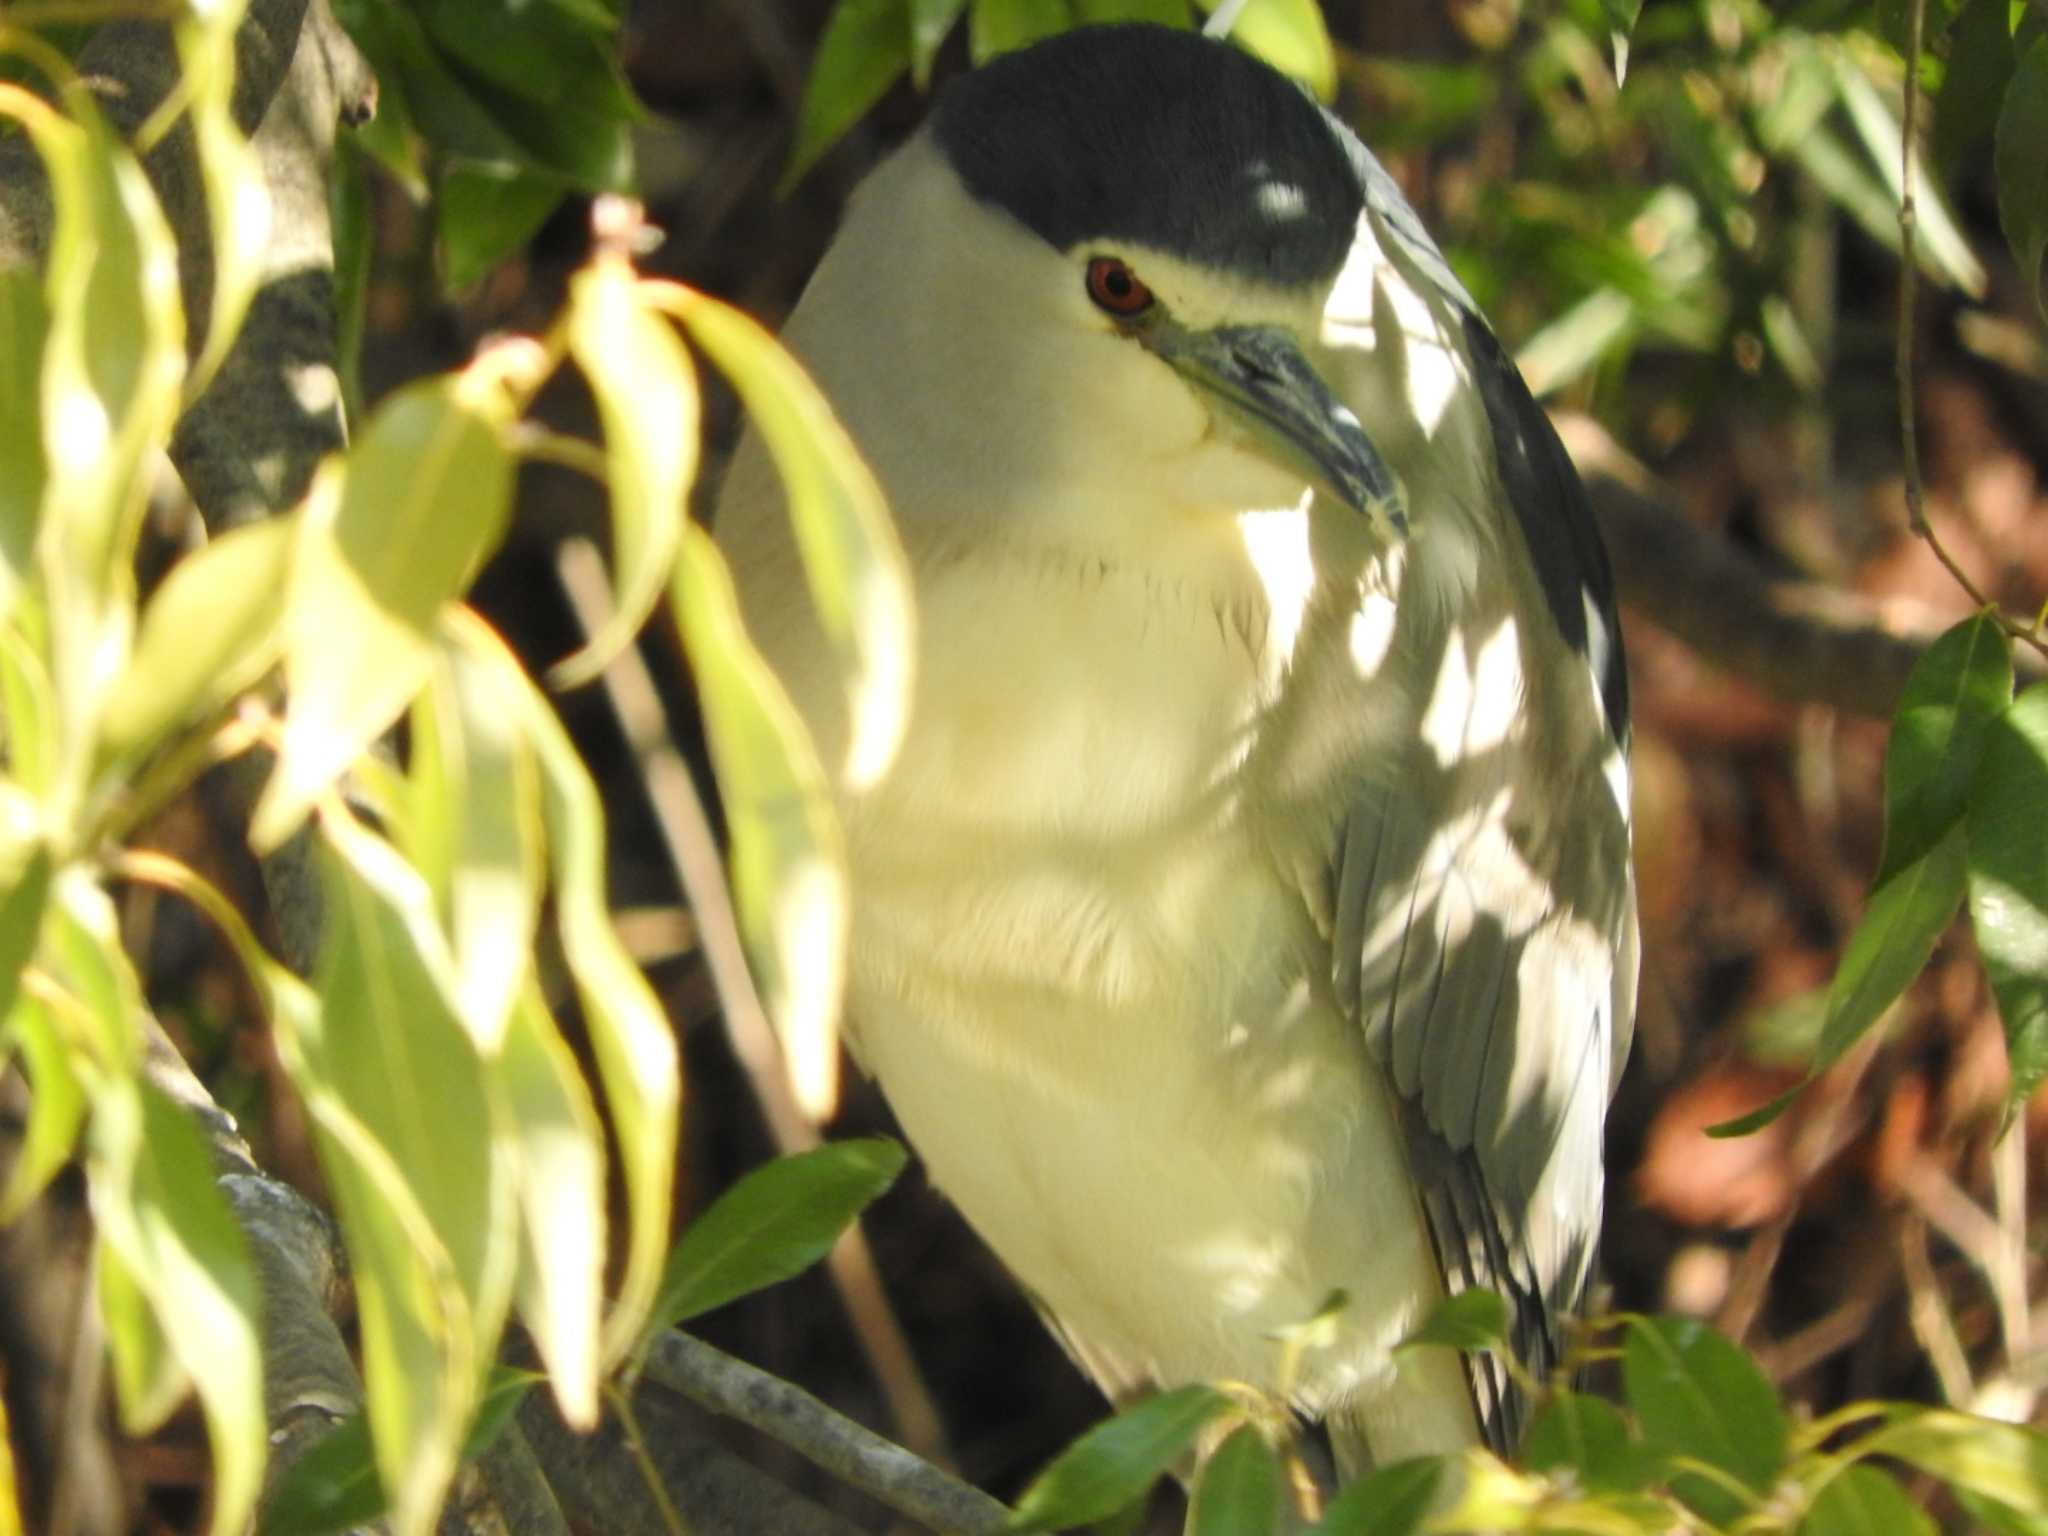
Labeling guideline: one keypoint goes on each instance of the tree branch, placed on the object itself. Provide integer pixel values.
(830, 1440)
(1802, 641)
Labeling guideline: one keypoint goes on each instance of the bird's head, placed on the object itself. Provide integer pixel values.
(1096, 280)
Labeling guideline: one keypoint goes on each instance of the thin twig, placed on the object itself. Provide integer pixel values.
(2009, 1268)
(636, 1444)
(885, 1471)
(686, 832)
(1909, 432)
(1928, 1314)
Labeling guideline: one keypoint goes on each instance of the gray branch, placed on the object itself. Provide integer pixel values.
(855, 1455)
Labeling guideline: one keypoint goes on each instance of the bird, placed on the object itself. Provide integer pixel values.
(1244, 933)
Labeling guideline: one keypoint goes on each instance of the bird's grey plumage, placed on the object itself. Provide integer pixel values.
(1249, 915)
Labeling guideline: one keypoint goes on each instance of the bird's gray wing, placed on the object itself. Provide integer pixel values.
(1482, 906)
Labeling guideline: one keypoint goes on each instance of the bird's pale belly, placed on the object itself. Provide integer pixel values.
(1130, 1080)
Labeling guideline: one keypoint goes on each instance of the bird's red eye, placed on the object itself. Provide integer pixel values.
(1115, 287)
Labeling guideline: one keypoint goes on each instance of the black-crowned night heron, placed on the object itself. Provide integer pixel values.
(1247, 920)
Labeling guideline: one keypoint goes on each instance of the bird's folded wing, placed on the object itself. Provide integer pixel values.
(1489, 1006)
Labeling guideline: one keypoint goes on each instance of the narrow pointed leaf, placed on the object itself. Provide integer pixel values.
(1937, 735)
(2021, 168)
(82, 951)
(1942, 250)
(211, 630)
(1588, 1436)
(559, 1145)
(1697, 1395)
(386, 545)
(629, 1034)
(476, 825)
(113, 361)
(237, 199)
(171, 1237)
(864, 50)
(25, 868)
(1471, 1320)
(1907, 914)
(24, 320)
(1393, 1500)
(412, 1141)
(485, 213)
(788, 860)
(1116, 1461)
(1291, 36)
(647, 400)
(2006, 1463)
(2008, 878)
(1863, 1501)
(930, 21)
(996, 27)
(773, 1224)
(858, 575)
(1238, 1490)
(56, 1110)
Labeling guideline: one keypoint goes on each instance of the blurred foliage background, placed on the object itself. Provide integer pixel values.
(1702, 255)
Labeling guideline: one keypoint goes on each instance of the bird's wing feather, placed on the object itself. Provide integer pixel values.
(1482, 908)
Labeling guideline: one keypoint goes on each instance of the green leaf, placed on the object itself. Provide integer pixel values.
(386, 544)
(237, 199)
(24, 319)
(1937, 735)
(411, 1144)
(788, 859)
(1393, 1500)
(773, 1224)
(28, 708)
(1473, 1319)
(558, 1142)
(1698, 1396)
(2005, 1463)
(475, 827)
(1116, 1461)
(25, 866)
(1907, 914)
(56, 1106)
(1289, 35)
(519, 90)
(1237, 1492)
(484, 213)
(82, 951)
(211, 629)
(1588, 1436)
(333, 1486)
(2022, 169)
(629, 1033)
(1862, 1501)
(1941, 248)
(113, 362)
(858, 574)
(996, 27)
(1160, 13)
(930, 21)
(865, 49)
(172, 1242)
(647, 400)
(2008, 876)
(1973, 85)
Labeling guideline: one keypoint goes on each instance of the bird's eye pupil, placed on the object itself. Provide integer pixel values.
(1115, 287)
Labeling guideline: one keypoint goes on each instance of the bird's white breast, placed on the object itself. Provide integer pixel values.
(1098, 1007)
